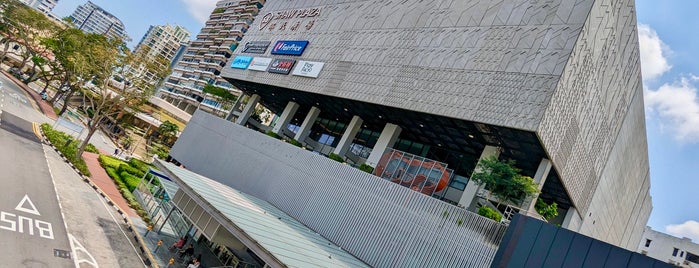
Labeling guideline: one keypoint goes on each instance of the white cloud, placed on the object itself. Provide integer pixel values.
(200, 9)
(653, 53)
(688, 229)
(677, 106)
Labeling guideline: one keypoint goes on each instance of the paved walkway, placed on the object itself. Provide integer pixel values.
(103, 181)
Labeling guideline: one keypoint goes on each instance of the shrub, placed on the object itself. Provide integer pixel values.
(69, 149)
(110, 161)
(366, 168)
(295, 143)
(131, 170)
(129, 180)
(140, 165)
(548, 211)
(91, 148)
(336, 157)
(489, 213)
(273, 135)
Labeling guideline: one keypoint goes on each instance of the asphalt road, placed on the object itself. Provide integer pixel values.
(82, 226)
(31, 224)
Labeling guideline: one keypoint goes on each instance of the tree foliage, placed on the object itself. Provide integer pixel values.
(22, 29)
(548, 211)
(503, 180)
(167, 130)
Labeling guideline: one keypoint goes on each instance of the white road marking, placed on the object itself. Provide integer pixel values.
(25, 200)
(77, 247)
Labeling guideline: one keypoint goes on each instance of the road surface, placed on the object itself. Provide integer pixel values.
(31, 224)
(71, 225)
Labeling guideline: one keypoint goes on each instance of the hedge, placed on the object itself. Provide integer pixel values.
(131, 170)
(489, 213)
(131, 181)
(69, 150)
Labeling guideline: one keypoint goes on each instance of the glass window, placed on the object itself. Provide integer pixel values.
(648, 242)
(674, 252)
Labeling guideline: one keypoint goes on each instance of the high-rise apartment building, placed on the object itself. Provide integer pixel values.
(93, 19)
(203, 60)
(45, 6)
(681, 252)
(162, 41)
(422, 92)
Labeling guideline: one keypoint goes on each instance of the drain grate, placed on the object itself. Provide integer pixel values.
(61, 253)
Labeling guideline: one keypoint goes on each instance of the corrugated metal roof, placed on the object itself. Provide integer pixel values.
(291, 242)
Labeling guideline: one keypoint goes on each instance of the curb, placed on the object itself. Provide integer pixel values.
(143, 247)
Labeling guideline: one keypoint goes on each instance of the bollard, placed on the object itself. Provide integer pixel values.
(150, 228)
(160, 243)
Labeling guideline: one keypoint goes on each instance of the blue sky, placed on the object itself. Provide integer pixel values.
(669, 42)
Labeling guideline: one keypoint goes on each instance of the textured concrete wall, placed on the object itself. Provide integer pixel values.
(488, 61)
(380, 222)
(594, 128)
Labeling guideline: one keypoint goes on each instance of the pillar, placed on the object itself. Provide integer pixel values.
(387, 139)
(248, 110)
(542, 172)
(234, 108)
(305, 128)
(347, 137)
(472, 187)
(285, 118)
(572, 220)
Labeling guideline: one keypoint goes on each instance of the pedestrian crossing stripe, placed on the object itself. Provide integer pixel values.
(32, 209)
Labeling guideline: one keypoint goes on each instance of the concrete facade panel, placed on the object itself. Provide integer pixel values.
(598, 104)
(488, 53)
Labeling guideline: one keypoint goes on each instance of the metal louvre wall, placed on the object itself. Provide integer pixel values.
(380, 222)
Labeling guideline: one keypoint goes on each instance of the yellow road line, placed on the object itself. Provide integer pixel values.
(35, 128)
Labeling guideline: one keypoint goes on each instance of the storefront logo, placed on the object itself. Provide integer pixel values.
(281, 66)
(286, 47)
(308, 68)
(288, 15)
(257, 47)
(259, 64)
(241, 62)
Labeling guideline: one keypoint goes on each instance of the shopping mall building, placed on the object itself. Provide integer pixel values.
(554, 85)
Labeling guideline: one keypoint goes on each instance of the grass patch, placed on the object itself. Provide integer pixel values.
(67, 146)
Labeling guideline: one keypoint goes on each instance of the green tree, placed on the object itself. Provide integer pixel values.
(103, 59)
(503, 180)
(548, 211)
(167, 130)
(22, 29)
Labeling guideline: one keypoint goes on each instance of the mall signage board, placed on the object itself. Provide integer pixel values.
(256, 47)
(281, 66)
(308, 68)
(259, 64)
(289, 47)
(241, 62)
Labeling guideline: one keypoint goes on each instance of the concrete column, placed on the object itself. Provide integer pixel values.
(305, 128)
(286, 117)
(347, 137)
(234, 108)
(472, 188)
(542, 172)
(572, 220)
(248, 110)
(387, 139)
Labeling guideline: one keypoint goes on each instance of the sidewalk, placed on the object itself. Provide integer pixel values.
(44, 106)
(103, 181)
